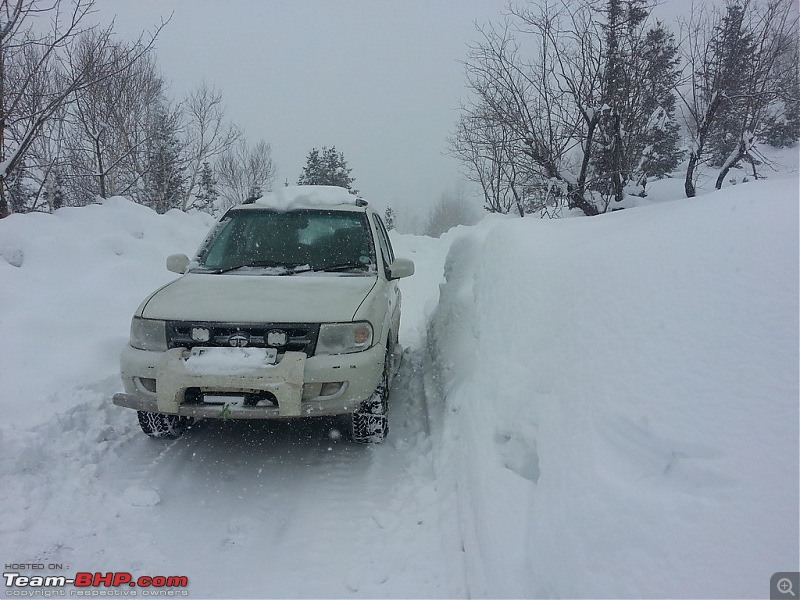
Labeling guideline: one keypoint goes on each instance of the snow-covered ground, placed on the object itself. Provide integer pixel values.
(603, 407)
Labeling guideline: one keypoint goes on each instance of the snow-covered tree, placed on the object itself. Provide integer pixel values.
(389, 218)
(740, 60)
(656, 128)
(163, 179)
(207, 193)
(327, 167)
(638, 135)
(732, 50)
(572, 125)
(782, 123)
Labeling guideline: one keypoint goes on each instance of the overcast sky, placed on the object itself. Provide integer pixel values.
(381, 80)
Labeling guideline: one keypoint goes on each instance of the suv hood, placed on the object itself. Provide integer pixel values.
(313, 298)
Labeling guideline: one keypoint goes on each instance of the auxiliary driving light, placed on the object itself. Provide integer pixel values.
(201, 334)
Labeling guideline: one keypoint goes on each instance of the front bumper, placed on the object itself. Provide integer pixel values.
(295, 382)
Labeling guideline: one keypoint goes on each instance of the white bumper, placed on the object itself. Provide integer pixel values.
(295, 381)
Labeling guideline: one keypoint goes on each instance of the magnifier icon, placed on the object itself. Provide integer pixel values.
(784, 586)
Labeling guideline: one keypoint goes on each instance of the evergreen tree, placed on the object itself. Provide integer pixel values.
(388, 218)
(19, 194)
(164, 175)
(327, 167)
(660, 154)
(733, 50)
(782, 123)
(640, 71)
(54, 190)
(207, 193)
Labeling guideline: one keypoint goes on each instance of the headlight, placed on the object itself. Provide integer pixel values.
(148, 334)
(343, 338)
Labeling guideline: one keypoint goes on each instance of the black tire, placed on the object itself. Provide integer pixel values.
(370, 423)
(158, 425)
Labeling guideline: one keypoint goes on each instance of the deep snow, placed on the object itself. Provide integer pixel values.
(602, 407)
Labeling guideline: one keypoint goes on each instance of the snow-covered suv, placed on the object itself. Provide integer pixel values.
(289, 309)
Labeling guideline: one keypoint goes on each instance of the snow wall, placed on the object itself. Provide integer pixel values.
(617, 398)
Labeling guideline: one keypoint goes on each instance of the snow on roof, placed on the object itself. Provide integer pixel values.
(299, 196)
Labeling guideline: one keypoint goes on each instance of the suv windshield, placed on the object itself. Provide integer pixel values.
(289, 242)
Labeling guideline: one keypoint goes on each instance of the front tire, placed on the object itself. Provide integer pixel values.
(370, 423)
(159, 425)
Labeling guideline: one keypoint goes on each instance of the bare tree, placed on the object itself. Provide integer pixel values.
(518, 130)
(207, 135)
(487, 152)
(244, 172)
(46, 32)
(111, 117)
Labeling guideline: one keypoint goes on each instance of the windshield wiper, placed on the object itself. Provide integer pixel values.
(260, 264)
(344, 266)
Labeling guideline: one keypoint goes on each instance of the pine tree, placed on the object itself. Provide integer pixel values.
(327, 168)
(617, 152)
(164, 176)
(782, 124)
(661, 154)
(19, 195)
(388, 218)
(733, 51)
(207, 193)
(54, 190)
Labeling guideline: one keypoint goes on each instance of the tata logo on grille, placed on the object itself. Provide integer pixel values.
(239, 340)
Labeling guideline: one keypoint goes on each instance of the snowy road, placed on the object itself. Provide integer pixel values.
(244, 510)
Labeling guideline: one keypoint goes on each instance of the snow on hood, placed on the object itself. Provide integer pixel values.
(240, 298)
(300, 196)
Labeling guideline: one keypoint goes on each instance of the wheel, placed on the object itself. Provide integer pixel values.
(370, 423)
(158, 425)
(369, 429)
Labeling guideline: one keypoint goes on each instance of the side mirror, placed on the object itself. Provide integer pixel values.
(401, 267)
(177, 263)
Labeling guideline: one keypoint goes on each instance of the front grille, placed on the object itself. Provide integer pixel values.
(302, 337)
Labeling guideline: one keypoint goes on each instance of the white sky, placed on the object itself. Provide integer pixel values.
(381, 80)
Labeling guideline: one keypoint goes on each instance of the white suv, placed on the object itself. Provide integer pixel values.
(289, 309)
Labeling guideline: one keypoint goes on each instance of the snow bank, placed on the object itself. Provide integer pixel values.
(70, 282)
(618, 398)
